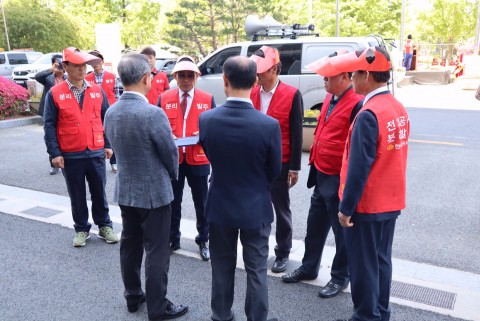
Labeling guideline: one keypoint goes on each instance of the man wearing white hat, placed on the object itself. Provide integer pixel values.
(183, 106)
(74, 135)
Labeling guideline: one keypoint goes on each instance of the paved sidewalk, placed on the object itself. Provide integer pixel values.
(421, 286)
(440, 97)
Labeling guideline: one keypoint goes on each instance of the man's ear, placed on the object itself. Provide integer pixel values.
(226, 83)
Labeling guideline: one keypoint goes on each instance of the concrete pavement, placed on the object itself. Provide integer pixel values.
(426, 287)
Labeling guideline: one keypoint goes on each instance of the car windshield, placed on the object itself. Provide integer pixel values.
(46, 59)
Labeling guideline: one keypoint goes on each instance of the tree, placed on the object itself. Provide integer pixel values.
(31, 25)
(448, 22)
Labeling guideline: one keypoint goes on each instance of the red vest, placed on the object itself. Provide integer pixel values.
(159, 85)
(279, 108)
(78, 129)
(170, 102)
(385, 189)
(330, 136)
(108, 84)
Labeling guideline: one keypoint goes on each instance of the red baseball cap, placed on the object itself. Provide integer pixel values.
(324, 67)
(369, 59)
(272, 57)
(75, 56)
(185, 63)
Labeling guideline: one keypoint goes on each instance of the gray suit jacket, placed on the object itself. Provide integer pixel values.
(146, 154)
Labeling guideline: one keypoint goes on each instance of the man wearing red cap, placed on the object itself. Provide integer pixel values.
(285, 104)
(73, 117)
(108, 82)
(339, 109)
(372, 183)
(183, 106)
(160, 80)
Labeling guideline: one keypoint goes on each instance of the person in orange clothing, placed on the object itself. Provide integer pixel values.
(284, 103)
(108, 82)
(183, 106)
(159, 82)
(408, 48)
(372, 182)
(339, 109)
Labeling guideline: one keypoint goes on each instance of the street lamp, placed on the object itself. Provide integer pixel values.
(5, 25)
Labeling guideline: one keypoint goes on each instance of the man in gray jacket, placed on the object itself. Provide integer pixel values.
(143, 141)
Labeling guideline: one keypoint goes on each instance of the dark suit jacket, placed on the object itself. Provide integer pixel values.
(47, 79)
(147, 157)
(244, 149)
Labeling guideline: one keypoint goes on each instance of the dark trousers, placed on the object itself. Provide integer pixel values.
(369, 251)
(146, 229)
(322, 215)
(283, 215)
(199, 187)
(113, 159)
(75, 173)
(223, 254)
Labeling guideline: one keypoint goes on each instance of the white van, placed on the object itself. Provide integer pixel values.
(295, 54)
(22, 73)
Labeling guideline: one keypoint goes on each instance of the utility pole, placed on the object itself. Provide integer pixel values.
(402, 26)
(477, 32)
(5, 25)
(337, 20)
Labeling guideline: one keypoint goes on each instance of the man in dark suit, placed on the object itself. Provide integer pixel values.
(49, 78)
(144, 144)
(244, 148)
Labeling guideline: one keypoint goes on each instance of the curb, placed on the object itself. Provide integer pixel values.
(10, 123)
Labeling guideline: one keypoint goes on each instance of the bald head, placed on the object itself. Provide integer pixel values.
(240, 71)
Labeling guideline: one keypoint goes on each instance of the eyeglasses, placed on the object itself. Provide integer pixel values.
(186, 75)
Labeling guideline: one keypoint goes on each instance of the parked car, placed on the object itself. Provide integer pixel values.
(23, 73)
(166, 65)
(295, 54)
(10, 59)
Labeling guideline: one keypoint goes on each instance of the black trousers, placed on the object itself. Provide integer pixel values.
(146, 229)
(223, 255)
(199, 187)
(283, 216)
(369, 251)
(75, 173)
(322, 215)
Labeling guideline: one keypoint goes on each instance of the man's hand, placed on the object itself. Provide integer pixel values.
(195, 133)
(108, 153)
(58, 162)
(344, 220)
(292, 179)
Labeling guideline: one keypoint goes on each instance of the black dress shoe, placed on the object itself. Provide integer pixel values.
(296, 276)
(204, 252)
(280, 264)
(273, 319)
(331, 289)
(172, 311)
(133, 307)
(351, 319)
(174, 247)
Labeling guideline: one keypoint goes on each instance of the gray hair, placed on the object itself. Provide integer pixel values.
(132, 68)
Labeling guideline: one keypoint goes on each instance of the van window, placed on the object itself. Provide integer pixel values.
(290, 55)
(313, 52)
(215, 63)
(17, 58)
(2, 59)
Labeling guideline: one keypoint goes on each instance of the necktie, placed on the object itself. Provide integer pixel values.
(183, 104)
